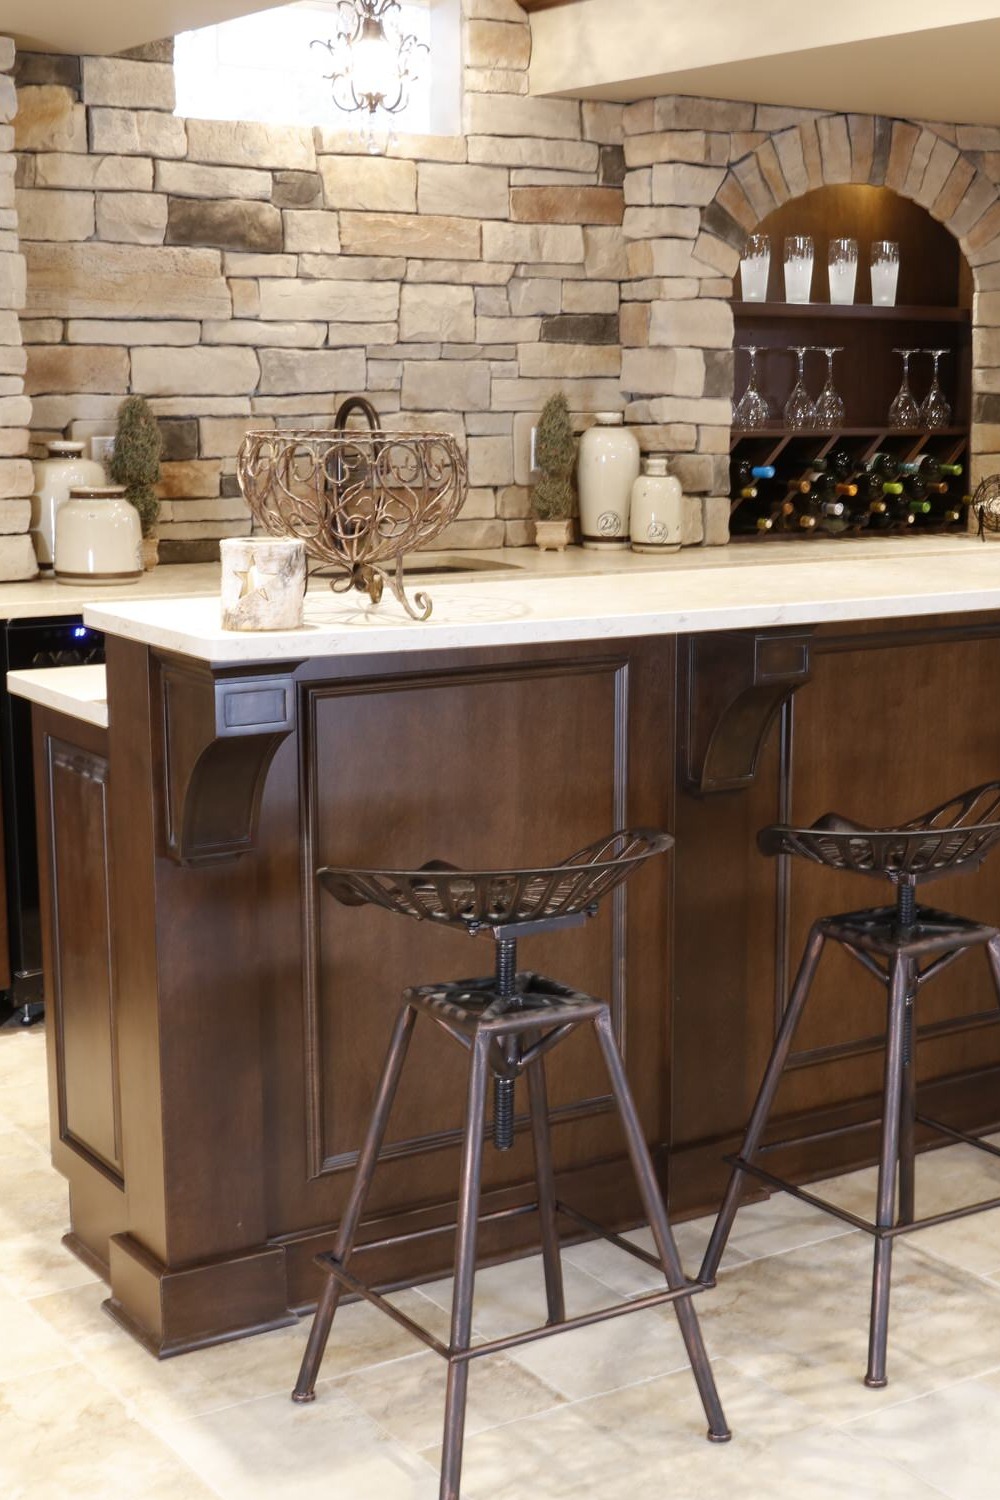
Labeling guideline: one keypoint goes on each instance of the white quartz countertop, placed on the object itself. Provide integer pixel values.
(585, 596)
(79, 692)
(40, 597)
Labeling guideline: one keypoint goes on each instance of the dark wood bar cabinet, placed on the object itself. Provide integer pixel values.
(216, 1030)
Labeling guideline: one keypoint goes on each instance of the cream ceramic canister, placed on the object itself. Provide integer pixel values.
(55, 475)
(657, 508)
(607, 467)
(98, 537)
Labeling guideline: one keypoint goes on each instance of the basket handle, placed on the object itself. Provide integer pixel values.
(357, 403)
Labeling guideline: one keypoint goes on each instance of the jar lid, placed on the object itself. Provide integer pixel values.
(65, 449)
(96, 491)
(609, 418)
(656, 463)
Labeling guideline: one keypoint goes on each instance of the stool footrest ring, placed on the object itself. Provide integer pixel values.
(879, 1232)
(354, 1284)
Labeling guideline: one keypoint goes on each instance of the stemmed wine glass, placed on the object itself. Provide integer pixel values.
(904, 411)
(800, 409)
(830, 409)
(935, 411)
(753, 409)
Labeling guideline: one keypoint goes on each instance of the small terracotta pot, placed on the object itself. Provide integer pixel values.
(150, 552)
(553, 536)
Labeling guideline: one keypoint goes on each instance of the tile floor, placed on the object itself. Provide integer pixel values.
(608, 1411)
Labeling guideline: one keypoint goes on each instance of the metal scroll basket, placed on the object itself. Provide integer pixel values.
(986, 505)
(359, 499)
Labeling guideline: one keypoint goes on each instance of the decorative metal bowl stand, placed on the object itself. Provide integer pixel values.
(890, 942)
(507, 1022)
(359, 500)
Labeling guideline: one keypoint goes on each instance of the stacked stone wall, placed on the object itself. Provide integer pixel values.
(17, 558)
(249, 276)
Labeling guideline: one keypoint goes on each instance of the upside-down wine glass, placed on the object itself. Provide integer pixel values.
(753, 409)
(830, 409)
(800, 409)
(935, 411)
(904, 411)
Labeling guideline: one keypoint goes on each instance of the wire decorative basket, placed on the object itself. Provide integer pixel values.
(359, 499)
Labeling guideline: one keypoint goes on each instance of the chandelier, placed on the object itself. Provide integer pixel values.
(375, 61)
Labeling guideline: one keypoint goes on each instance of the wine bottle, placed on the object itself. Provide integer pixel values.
(828, 488)
(748, 520)
(840, 464)
(808, 514)
(746, 473)
(884, 466)
(933, 470)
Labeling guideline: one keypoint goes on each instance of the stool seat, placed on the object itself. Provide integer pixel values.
(958, 834)
(485, 899)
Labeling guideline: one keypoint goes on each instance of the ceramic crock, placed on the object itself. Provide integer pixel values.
(55, 476)
(657, 508)
(607, 467)
(98, 537)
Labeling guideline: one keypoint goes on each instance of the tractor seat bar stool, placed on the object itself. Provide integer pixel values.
(903, 946)
(507, 1022)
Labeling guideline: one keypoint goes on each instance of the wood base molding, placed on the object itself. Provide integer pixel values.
(172, 1312)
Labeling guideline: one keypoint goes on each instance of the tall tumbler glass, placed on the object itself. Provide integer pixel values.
(755, 267)
(843, 267)
(799, 256)
(885, 272)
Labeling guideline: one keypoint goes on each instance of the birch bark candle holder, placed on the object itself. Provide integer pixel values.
(263, 583)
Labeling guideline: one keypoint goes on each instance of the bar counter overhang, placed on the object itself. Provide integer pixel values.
(217, 1029)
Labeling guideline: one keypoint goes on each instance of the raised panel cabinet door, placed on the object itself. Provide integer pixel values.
(82, 982)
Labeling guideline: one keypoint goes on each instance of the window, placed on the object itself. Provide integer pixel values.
(263, 67)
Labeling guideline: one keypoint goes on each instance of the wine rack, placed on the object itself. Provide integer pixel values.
(934, 311)
(848, 483)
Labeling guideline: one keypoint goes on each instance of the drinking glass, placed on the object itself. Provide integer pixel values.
(800, 409)
(843, 268)
(904, 411)
(830, 409)
(799, 256)
(884, 272)
(755, 267)
(935, 412)
(753, 409)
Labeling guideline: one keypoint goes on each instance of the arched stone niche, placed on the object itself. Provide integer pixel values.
(701, 175)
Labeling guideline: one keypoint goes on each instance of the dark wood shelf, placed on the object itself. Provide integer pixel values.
(858, 312)
(820, 432)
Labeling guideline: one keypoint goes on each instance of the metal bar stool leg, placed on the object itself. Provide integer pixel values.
(993, 954)
(545, 1179)
(899, 984)
(305, 1386)
(763, 1105)
(908, 1108)
(465, 1269)
(649, 1188)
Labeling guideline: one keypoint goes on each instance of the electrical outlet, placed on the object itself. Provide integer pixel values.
(101, 449)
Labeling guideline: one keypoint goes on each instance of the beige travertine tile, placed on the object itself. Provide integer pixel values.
(65, 1436)
(35, 1264)
(27, 1344)
(226, 1374)
(34, 1197)
(800, 1322)
(264, 1448)
(948, 1438)
(406, 1398)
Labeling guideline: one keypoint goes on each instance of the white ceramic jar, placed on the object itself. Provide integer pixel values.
(98, 537)
(55, 476)
(607, 467)
(657, 508)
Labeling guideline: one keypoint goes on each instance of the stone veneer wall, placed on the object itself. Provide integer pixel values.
(17, 558)
(703, 173)
(244, 275)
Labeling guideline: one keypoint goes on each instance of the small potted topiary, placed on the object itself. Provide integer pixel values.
(135, 464)
(555, 458)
